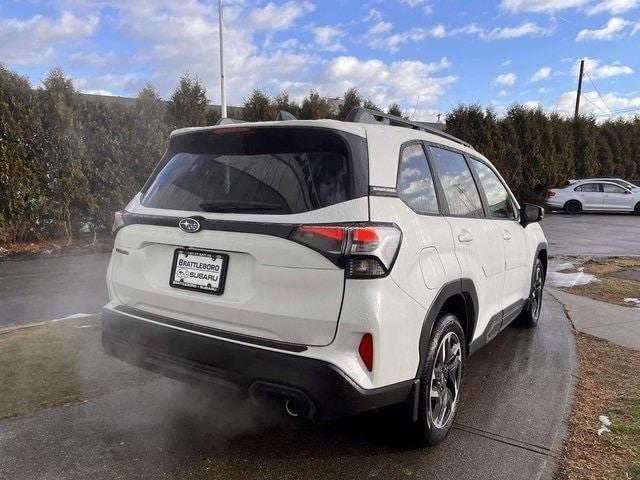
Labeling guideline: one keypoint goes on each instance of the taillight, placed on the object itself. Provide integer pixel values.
(364, 250)
(365, 349)
(550, 193)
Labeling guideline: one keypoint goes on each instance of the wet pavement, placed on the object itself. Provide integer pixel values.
(509, 426)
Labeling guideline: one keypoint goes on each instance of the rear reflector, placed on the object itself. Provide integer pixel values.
(550, 193)
(364, 250)
(366, 351)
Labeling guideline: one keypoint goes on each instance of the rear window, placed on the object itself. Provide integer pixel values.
(270, 171)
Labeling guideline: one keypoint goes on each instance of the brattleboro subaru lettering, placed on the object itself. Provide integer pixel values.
(198, 265)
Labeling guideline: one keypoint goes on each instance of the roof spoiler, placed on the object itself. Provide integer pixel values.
(365, 115)
(229, 121)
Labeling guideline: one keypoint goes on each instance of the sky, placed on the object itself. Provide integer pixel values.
(427, 55)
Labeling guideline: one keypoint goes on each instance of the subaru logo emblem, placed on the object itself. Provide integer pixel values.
(189, 225)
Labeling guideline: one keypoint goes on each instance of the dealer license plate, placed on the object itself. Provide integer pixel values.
(199, 270)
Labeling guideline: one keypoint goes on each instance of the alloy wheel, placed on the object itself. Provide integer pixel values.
(444, 388)
(536, 293)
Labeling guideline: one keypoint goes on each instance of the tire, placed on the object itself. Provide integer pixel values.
(636, 211)
(573, 207)
(531, 314)
(440, 389)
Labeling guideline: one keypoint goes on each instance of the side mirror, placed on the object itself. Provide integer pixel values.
(530, 213)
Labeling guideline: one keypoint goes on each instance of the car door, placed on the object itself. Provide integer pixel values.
(501, 210)
(617, 198)
(478, 242)
(590, 196)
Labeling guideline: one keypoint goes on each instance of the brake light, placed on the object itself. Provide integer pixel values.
(363, 250)
(550, 194)
(365, 349)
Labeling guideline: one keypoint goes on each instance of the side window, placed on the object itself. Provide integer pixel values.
(500, 205)
(588, 187)
(456, 179)
(415, 183)
(609, 188)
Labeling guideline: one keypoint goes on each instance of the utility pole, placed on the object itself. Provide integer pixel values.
(579, 90)
(223, 95)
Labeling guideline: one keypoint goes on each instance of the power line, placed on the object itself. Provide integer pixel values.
(597, 91)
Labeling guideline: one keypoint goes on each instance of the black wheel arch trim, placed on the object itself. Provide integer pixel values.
(464, 288)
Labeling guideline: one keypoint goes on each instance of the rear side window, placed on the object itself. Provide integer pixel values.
(609, 188)
(271, 171)
(588, 187)
(498, 199)
(457, 182)
(415, 183)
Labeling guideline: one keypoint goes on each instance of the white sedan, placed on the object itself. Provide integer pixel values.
(594, 195)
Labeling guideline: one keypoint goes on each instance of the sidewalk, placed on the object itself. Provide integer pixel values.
(617, 324)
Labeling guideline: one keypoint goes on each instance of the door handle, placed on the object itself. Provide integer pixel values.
(465, 236)
(506, 235)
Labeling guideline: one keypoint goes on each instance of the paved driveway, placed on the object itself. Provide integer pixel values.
(509, 427)
(592, 234)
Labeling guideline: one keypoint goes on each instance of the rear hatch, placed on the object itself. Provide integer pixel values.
(211, 239)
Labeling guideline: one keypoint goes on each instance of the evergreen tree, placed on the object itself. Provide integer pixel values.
(258, 107)
(394, 109)
(68, 201)
(283, 102)
(20, 138)
(350, 101)
(315, 107)
(188, 104)
(371, 106)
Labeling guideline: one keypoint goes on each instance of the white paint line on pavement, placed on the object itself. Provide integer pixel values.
(71, 317)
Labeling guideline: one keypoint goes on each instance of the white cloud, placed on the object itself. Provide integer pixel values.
(527, 29)
(541, 74)
(596, 70)
(505, 79)
(507, 62)
(405, 82)
(537, 6)
(373, 16)
(391, 42)
(614, 7)
(612, 29)
(592, 104)
(328, 38)
(426, 7)
(90, 58)
(279, 17)
(32, 41)
(380, 28)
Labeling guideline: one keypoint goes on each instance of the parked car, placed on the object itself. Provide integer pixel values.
(594, 195)
(336, 267)
(624, 183)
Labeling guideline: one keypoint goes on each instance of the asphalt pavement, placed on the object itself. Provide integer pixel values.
(509, 426)
(592, 234)
(42, 288)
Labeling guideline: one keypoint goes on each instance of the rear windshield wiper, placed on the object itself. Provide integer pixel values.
(240, 207)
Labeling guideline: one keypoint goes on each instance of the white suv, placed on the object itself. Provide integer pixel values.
(336, 267)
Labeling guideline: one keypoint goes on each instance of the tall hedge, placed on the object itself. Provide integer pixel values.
(66, 164)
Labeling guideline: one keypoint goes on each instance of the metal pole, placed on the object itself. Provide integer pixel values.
(223, 95)
(575, 117)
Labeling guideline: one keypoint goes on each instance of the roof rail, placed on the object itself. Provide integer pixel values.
(365, 115)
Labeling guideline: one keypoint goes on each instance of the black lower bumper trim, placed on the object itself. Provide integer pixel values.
(197, 358)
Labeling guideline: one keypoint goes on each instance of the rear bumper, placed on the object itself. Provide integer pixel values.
(324, 390)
